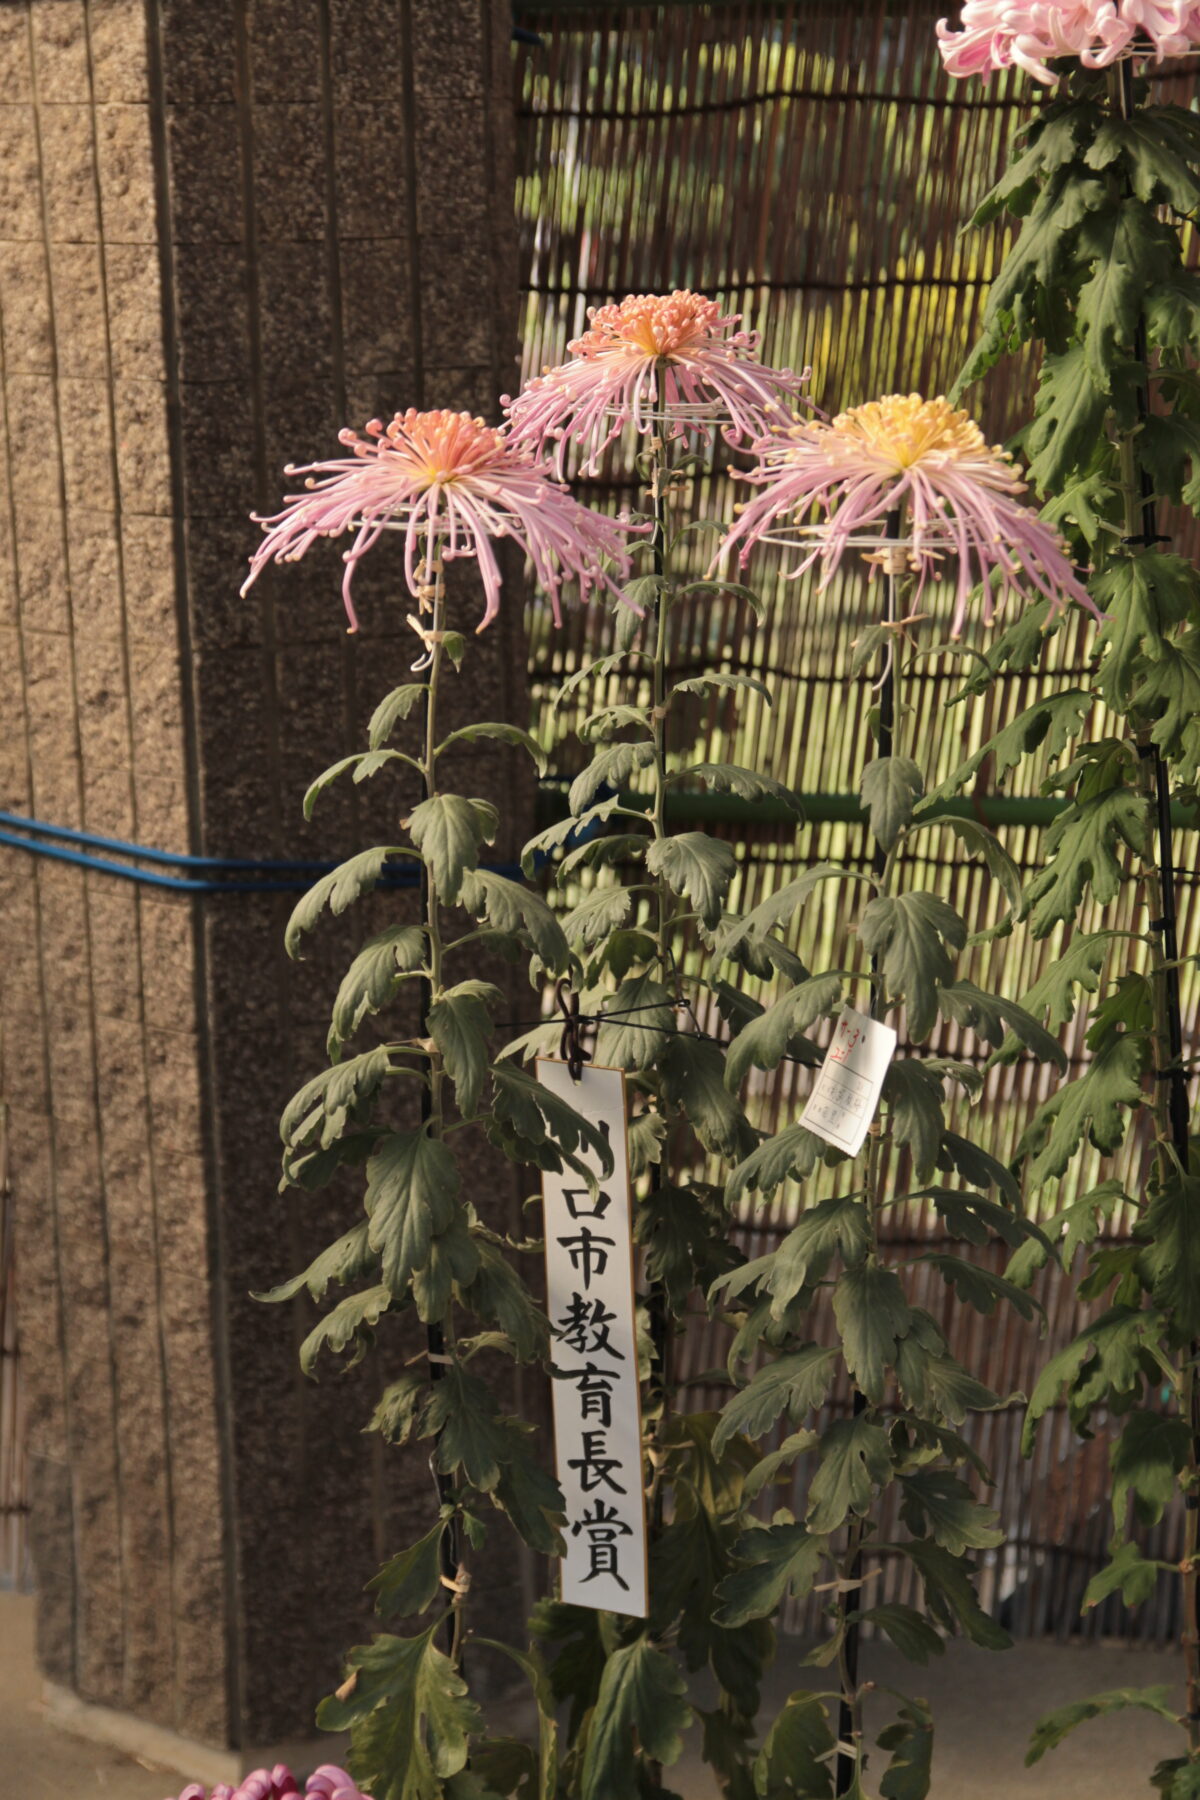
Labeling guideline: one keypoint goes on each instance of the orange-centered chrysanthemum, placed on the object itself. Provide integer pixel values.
(663, 362)
(826, 483)
(665, 326)
(452, 484)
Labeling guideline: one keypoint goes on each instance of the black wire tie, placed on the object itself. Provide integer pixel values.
(571, 1047)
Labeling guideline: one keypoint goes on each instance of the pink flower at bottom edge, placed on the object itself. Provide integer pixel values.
(329, 1782)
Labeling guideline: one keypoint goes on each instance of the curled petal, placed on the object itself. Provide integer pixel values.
(669, 363)
(1030, 34)
(822, 486)
(445, 478)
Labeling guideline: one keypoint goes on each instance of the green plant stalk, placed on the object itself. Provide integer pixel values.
(439, 1334)
(658, 1306)
(660, 1321)
(850, 1569)
(1171, 1110)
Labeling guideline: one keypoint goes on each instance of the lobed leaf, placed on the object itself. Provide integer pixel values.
(335, 1098)
(392, 709)
(937, 1504)
(794, 1151)
(777, 1560)
(350, 1323)
(364, 764)
(374, 979)
(697, 866)
(747, 784)
(909, 1775)
(411, 1581)
(347, 1259)
(891, 787)
(409, 1714)
(338, 890)
(796, 1384)
(764, 1041)
(460, 1024)
(611, 767)
(1091, 1106)
(1054, 1726)
(872, 1316)
(798, 1752)
(950, 1594)
(914, 935)
(509, 906)
(693, 1079)
(642, 1698)
(855, 1460)
(411, 1200)
(450, 831)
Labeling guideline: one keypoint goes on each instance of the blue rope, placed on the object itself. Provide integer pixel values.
(286, 877)
(174, 858)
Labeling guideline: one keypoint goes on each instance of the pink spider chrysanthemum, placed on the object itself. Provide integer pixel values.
(326, 1783)
(1029, 34)
(959, 497)
(452, 484)
(663, 362)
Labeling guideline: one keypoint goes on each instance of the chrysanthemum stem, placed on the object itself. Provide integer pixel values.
(850, 1600)
(1171, 1107)
(660, 1321)
(439, 1333)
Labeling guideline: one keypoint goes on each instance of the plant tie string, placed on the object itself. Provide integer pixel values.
(571, 1048)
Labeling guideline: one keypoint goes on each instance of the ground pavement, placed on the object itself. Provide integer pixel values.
(984, 1705)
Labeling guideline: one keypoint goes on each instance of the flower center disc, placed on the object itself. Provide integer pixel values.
(904, 429)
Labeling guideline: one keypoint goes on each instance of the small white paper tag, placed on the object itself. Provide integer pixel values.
(596, 1398)
(846, 1092)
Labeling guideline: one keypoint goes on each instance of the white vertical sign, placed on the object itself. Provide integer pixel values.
(597, 1400)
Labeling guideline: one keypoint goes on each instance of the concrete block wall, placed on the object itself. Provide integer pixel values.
(227, 227)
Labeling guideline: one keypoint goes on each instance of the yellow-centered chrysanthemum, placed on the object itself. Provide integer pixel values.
(923, 471)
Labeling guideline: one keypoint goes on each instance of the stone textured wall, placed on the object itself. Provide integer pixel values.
(227, 227)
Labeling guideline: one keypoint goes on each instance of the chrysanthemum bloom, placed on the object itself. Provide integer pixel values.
(326, 1783)
(958, 496)
(659, 362)
(998, 34)
(453, 485)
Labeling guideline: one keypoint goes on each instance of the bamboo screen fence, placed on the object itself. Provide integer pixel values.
(809, 165)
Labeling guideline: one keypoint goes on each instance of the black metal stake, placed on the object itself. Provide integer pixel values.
(450, 1547)
(1167, 924)
(847, 1760)
(657, 1309)
(1169, 1010)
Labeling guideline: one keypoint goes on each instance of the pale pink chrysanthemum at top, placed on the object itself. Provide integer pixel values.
(658, 362)
(1029, 34)
(959, 498)
(453, 485)
(326, 1783)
